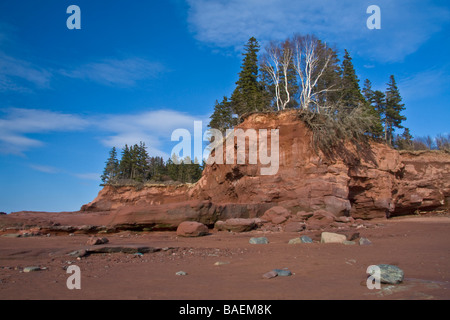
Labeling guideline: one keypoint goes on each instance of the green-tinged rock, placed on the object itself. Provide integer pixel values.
(282, 272)
(261, 240)
(295, 241)
(390, 274)
(364, 242)
(306, 239)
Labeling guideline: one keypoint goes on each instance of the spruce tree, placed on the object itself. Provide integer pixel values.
(330, 81)
(394, 107)
(373, 107)
(125, 166)
(111, 171)
(222, 117)
(248, 95)
(351, 96)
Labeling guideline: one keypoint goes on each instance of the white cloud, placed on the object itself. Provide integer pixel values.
(13, 71)
(17, 123)
(152, 127)
(405, 24)
(116, 72)
(45, 169)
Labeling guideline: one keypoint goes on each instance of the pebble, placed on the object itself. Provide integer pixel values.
(31, 269)
(261, 240)
(181, 273)
(295, 241)
(219, 263)
(346, 242)
(282, 272)
(270, 274)
(364, 242)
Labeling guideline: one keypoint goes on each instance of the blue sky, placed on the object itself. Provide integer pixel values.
(137, 70)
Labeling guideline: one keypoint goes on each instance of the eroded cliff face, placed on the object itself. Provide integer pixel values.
(358, 181)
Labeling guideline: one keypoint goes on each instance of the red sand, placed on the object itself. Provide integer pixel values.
(418, 245)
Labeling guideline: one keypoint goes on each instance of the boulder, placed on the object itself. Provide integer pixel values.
(276, 215)
(237, 224)
(390, 274)
(192, 229)
(329, 237)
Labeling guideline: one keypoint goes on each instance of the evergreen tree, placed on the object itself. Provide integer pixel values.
(330, 81)
(125, 166)
(404, 141)
(394, 107)
(111, 171)
(157, 168)
(172, 167)
(222, 118)
(373, 107)
(248, 95)
(351, 96)
(141, 162)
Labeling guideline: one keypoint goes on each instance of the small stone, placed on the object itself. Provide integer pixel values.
(306, 239)
(270, 274)
(364, 242)
(261, 240)
(93, 241)
(295, 241)
(282, 272)
(348, 243)
(329, 237)
(220, 263)
(31, 269)
(390, 274)
(181, 273)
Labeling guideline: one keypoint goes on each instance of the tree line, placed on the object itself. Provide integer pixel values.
(136, 166)
(305, 73)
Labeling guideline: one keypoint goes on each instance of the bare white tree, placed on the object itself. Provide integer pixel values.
(309, 67)
(276, 62)
(271, 64)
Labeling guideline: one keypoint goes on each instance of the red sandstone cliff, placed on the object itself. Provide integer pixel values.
(362, 182)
